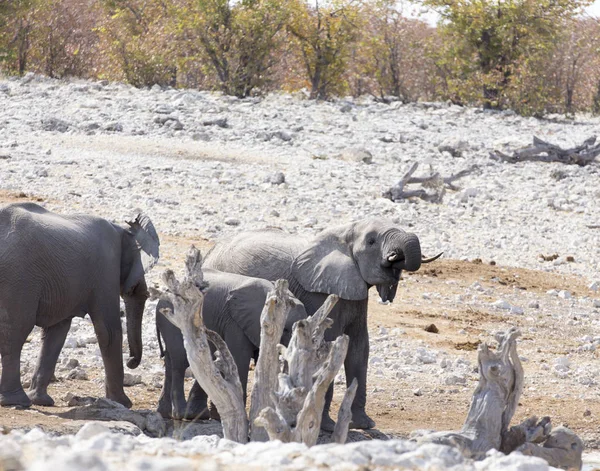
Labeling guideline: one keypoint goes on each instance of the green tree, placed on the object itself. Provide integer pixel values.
(488, 42)
(236, 40)
(136, 36)
(392, 51)
(16, 25)
(325, 33)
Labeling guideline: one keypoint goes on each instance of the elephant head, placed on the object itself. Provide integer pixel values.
(139, 253)
(347, 260)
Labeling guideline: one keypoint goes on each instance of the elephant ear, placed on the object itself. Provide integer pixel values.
(244, 305)
(140, 251)
(327, 266)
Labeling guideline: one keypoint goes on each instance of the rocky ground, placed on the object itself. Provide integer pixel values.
(519, 241)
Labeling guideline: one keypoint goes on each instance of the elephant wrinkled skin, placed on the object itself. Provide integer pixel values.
(232, 308)
(54, 268)
(345, 260)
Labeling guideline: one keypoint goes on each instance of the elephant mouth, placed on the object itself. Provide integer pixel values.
(387, 292)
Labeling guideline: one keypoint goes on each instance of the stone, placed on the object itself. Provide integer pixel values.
(232, 222)
(220, 122)
(564, 294)
(501, 304)
(594, 286)
(55, 124)
(454, 146)
(131, 379)
(284, 136)
(78, 373)
(356, 155)
(114, 127)
(276, 178)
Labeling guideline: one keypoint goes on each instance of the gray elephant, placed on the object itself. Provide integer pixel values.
(56, 267)
(232, 308)
(345, 260)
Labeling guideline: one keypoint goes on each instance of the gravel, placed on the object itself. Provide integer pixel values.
(206, 165)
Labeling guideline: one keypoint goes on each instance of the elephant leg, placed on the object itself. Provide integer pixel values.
(165, 407)
(179, 364)
(53, 339)
(356, 363)
(11, 390)
(107, 324)
(197, 405)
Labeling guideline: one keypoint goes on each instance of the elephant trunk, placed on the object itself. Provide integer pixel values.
(402, 251)
(134, 310)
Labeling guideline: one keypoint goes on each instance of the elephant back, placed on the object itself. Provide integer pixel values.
(266, 254)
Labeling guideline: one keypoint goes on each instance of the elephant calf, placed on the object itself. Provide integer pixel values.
(232, 308)
(54, 268)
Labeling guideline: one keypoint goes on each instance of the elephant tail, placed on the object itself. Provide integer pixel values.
(160, 344)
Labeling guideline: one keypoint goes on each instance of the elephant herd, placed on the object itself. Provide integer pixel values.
(55, 267)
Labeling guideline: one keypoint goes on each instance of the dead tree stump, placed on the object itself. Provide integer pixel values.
(219, 378)
(287, 405)
(492, 407)
(312, 364)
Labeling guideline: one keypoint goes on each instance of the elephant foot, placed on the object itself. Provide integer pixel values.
(196, 410)
(214, 412)
(361, 420)
(121, 398)
(164, 410)
(327, 423)
(15, 398)
(40, 399)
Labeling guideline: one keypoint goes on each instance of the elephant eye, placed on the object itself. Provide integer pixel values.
(371, 241)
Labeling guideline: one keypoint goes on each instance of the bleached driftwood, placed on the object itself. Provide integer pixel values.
(272, 322)
(492, 407)
(493, 403)
(542, 151)
(284, 405)
(219, 378)
(434, 181)
(312, 364)
(340, 431)
(562, 449)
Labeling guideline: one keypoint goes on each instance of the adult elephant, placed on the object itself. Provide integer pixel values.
(54, 268)
(232, 308)
(345, 260)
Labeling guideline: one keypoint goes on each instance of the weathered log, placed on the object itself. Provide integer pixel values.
(562, 449)
(434, 181)
(493, 403)
(309, 419)
(312, 364)
(272, 321)
(340, 432)
(492, 407)
(542, 151)
(218, 378)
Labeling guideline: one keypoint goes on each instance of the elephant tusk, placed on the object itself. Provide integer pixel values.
(393, 257)
(428, 260)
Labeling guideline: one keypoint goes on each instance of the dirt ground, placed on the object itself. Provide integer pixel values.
(461, 329)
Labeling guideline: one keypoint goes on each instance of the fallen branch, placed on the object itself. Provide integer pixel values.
(542, 151)
(492, 407)
(434, 181)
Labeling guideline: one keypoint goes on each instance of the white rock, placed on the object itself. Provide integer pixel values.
(501, 304)
(564, 294)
